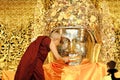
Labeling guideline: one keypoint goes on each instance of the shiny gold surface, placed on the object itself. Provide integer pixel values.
(77, 42)
(16, 17)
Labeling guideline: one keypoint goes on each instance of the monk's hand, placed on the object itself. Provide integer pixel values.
(66, 59)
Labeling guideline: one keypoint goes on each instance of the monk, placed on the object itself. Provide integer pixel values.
(112, 70)
(31, 64)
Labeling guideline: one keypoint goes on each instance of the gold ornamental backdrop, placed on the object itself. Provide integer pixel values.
(21, 21)
(16, 17)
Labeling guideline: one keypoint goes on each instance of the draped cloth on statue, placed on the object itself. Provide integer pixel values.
(85, 71)
(53, 70)
(32, 60)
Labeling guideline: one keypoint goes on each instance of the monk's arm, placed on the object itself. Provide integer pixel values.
(56, 54)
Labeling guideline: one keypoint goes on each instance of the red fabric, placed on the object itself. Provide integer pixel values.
(34, 56)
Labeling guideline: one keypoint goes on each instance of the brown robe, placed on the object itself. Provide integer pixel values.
(31, 64)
